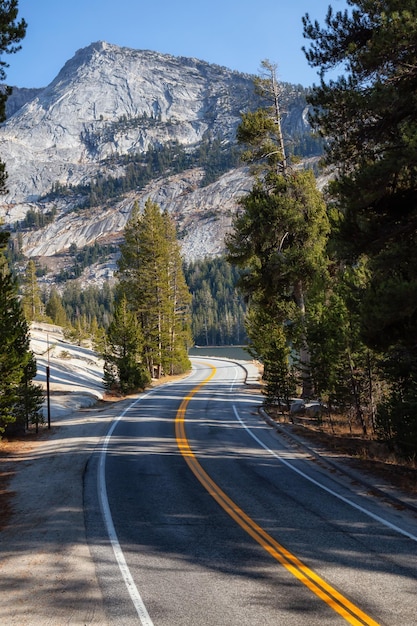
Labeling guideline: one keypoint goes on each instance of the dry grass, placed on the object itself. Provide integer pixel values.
(370, 455)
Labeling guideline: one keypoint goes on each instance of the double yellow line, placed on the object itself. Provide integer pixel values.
(351, 613)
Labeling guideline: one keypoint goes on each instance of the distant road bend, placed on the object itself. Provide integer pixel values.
(214, 519)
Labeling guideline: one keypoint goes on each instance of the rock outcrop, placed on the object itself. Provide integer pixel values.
(203, 216)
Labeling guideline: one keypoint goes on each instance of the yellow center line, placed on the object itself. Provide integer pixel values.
(351, 613)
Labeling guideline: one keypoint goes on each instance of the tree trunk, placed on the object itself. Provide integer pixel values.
(356, 396)
(305, 359)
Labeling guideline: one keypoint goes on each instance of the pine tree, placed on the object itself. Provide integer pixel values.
(143, 267)
(33, 307)
(19, 398)
(151, 276)
(205, 314)
(279, 237)
(123, 369)
(269, 343)
(79, 333)
(12, 32)
(367, 117)
(175, 359)
(98, 336)
(218, 307)
(342, 365)
(55, 310)
(30, 398)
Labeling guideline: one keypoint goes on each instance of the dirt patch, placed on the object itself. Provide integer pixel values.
(363, 452)
(13, 450)
(370, 456)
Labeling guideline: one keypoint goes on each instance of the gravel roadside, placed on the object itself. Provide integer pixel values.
(46, 573)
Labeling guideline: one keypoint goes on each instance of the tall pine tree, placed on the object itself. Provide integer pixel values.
(32, 304)
(12, 32)
(280, 235)
(178, 320)
(20, 399)
(151, 276)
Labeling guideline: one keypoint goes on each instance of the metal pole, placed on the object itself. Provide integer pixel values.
(47, 386)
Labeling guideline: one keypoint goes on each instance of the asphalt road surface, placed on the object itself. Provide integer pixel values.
(198, 513)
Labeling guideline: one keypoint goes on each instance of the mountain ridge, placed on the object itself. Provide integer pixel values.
(106, 106)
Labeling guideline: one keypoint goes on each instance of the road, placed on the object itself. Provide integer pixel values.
(214, 519)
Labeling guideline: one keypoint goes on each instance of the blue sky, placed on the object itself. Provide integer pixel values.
(236, 34)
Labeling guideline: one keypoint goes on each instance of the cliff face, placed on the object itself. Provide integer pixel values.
(203, 216)
(108, 100)
(107, 104)
(20, 96)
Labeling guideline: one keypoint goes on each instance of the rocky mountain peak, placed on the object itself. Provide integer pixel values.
(108, 106)
(64, 133)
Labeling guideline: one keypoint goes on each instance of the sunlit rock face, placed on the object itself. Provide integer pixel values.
(107, 103)
(203, 216)
(109, 100)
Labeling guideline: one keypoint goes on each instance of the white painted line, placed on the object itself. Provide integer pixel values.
(323, 487)
(108, 520)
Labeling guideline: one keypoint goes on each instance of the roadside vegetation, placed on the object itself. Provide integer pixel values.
(20, 398)
(331, 279)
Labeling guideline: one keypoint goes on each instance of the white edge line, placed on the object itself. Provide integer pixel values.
(111, 531)
(108, 520)
(330, 491)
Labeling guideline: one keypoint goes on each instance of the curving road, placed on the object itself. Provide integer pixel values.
(198, 513)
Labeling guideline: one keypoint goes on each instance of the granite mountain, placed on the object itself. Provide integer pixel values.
(112, 111)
